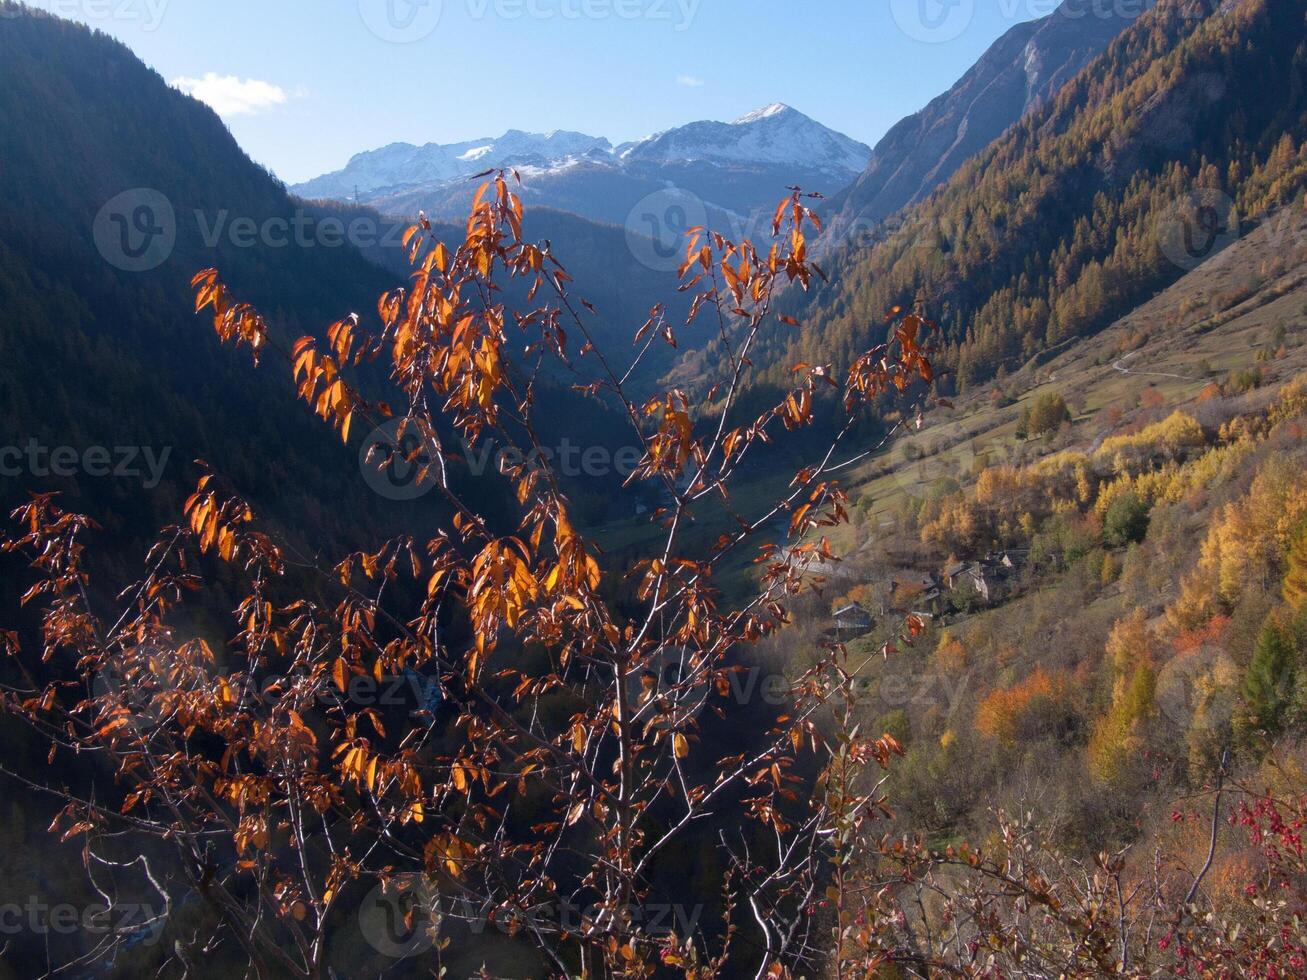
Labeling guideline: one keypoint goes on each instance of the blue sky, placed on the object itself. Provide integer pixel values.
(304, 84)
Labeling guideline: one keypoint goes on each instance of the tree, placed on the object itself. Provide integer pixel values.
(1111, 569)
(1295, 577)
(1268, 686)
(1116, 738)
(1035, 706)
(1047, 412)
(556, 759)
(1126, 520)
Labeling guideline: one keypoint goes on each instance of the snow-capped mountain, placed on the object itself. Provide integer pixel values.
(401, 166)
(775, 134)
(734, 168)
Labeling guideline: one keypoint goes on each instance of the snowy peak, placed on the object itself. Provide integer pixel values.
(766, 112)
(403, 165)
(558, 145)
(773, 136)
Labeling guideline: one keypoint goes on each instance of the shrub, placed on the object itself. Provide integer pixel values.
(1036, 706)
(1126, 521)
(1044, 415)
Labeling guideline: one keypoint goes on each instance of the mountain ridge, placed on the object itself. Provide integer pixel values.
(1024, 68)
(1087, 204)
(774, 134)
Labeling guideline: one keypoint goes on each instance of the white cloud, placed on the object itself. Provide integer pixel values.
(689, 81)
(232, 96)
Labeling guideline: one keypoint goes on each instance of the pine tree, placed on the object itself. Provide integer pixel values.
(1269, 684)
(1295, 579)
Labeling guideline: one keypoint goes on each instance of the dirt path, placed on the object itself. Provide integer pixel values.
(1119, 365)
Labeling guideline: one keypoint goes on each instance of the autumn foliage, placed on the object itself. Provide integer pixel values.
(561, 767)
(1007, 714)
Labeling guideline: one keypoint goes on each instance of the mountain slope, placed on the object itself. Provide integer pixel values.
(93, 143)
(1129, 177)
(1025, 67)
(94, 147)
(1241, 315)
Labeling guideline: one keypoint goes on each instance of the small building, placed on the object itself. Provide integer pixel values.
(1013, 559)
(953, 574)
(993, 578)
(982, 578)
(852, 620)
